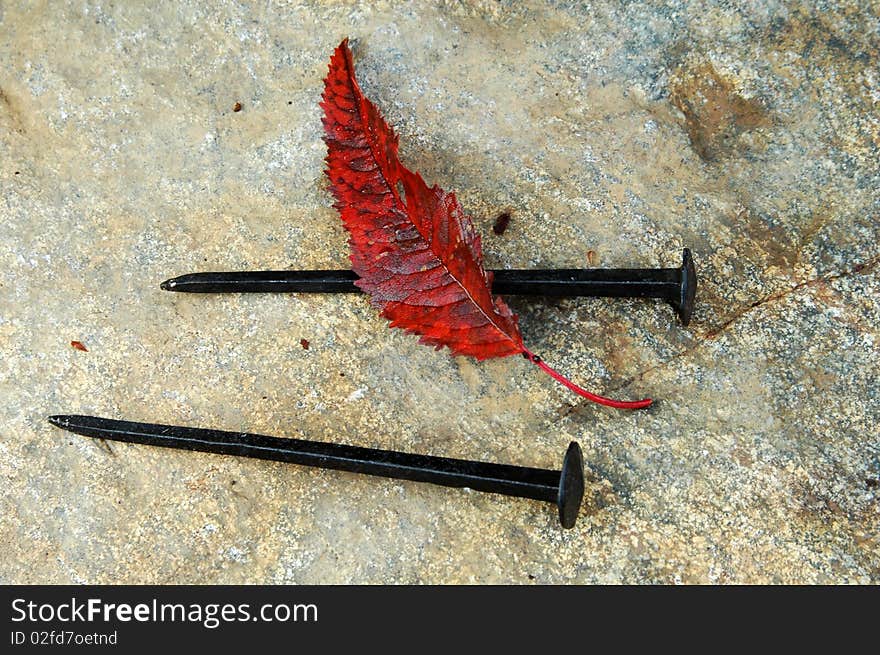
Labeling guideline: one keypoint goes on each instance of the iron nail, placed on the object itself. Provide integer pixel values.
(564, 487)
(678, 286)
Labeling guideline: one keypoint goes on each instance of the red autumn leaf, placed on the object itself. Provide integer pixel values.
(414, 249)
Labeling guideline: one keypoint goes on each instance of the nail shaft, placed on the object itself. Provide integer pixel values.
(675, 285)
(564, 488)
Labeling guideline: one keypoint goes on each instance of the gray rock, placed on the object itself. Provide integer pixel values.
(613, 134)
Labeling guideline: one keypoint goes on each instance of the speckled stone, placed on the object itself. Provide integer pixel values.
(617, 134)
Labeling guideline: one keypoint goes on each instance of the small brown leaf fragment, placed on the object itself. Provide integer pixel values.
(79, 346)
(591, 256)
(236, 107)
(304, 343)
(501, 223)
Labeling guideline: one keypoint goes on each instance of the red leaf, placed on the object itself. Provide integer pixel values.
(414, 249)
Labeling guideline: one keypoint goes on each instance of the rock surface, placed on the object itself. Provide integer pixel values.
(612, 135)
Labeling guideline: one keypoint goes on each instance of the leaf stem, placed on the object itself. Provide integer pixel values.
(601, 400)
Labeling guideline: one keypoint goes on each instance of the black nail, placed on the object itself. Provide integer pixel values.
(678, 286)
(565, 487)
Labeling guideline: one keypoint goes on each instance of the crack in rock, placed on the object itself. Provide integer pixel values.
(865, 268)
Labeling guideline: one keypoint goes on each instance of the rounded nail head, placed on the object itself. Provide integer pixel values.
(683, 301)
(571, 485)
